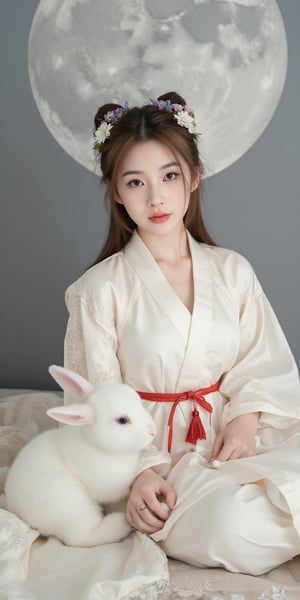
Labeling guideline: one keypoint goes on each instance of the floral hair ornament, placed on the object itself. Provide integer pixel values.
(183, 114)
(102, 132)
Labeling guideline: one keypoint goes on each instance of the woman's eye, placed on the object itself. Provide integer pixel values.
(135, 183)
(171, 176)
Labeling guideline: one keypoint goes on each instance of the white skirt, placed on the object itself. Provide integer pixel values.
(243, 515)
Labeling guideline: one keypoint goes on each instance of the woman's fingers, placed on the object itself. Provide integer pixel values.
(144, 521)
(150, 501)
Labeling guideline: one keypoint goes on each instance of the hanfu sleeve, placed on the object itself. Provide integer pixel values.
(90, 349)
(264, 377)
(90, 342)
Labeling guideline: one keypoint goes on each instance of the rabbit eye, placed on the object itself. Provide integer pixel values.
(123, 420)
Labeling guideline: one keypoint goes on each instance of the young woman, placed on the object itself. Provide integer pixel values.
(188, 326)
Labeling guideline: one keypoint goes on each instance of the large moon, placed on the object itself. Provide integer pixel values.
(228, 58)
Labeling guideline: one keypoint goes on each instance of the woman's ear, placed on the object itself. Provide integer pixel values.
(118, 199)
(196, 180)
(115, 196)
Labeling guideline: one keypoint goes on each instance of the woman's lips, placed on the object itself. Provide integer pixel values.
(159, 218)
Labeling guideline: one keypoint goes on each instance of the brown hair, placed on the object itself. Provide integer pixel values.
(138, 125)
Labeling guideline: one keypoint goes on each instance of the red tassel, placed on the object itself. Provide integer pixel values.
(196, 430)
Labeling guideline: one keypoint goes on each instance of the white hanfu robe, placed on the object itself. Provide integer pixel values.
(128, 324)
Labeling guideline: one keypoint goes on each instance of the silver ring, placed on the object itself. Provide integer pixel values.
(140, 508)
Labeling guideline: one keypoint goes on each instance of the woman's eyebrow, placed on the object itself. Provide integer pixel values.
(166, 166)
(132, 173)
(174, 163)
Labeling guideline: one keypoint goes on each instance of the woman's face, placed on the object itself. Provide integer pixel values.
(154, 188)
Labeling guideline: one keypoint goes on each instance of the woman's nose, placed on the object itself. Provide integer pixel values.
(154, 197)
(155, 202)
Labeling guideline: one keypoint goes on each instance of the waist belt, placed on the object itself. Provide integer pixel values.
(196, 429)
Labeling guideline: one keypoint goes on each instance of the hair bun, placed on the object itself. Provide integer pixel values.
(102, 110)
(173, 97)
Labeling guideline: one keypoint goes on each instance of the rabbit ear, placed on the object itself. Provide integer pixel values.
(70, 382)
(72, 414)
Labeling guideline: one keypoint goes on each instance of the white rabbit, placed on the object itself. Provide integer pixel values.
(60, 479)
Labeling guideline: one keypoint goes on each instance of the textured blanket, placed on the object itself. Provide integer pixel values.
(35, 568)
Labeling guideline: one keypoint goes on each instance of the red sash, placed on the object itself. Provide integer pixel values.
(196, 429)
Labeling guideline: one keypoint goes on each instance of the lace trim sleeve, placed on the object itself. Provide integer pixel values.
(90, 341)
(75, 357)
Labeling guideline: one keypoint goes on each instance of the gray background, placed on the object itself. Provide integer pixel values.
(53, 219)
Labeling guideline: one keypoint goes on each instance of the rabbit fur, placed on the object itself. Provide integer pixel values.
(61, 478)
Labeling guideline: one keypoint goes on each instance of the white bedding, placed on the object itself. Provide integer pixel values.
(35, 568)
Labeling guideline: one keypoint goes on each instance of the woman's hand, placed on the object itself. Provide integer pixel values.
(237, 440)
(145, 510)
